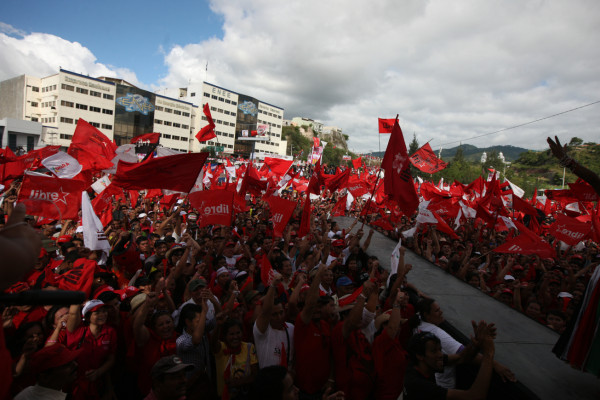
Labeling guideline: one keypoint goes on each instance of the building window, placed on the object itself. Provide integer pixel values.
(185, 114)
(34, 104)
(65, 136)
(67, 87)
(193, 95)
(227, 101)
(66, 120)
(105, 111)
(221, 99)
(206, 94)
(176, 125)
(81, 106)
(234, 103)
(108, 96)
(66, 103)
(158, 121)
(174, 137)
(95, 124)
(214, 97)
(95, 109)
(35, 89)
(166, 136)
(168, 123)
(183, 139)
(95, 94)
(106, 126)
(176, 112)
(81, 90)
(34, 119)
(159, 108)
(168, 110)
(185, 126)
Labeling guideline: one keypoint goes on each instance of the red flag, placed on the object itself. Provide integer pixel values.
(214, 206)
(583, 191)
(148, 137)
(91, 147)
(266, 271)
(357, 163)
(426, 160)
(305, 221)
(208, 132)
(281, 211)
(382, 223)
(278, 166)
(340, 207)
(51, 197)
(253, 133)
(338, 181)
(102, 204)
(386, 125)
(569, 230)
(398, 183)
(525, 244)
(442, 226)
(316, 180)
(523, 206)
(80, 277)
(177, 172)
(316, 142)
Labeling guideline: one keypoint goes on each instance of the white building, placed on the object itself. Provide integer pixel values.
(233, 113)
(117, 108)
(18, 134)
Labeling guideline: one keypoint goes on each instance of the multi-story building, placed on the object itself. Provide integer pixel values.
(236, 116)
(122, 111)
(117, 108)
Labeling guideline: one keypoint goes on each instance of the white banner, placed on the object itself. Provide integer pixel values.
(62, 165)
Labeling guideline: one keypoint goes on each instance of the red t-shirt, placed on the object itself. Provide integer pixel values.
(148, 355)
(312, 342)
(95, 350)
(390, 366)
(35, 314)
(354, 369)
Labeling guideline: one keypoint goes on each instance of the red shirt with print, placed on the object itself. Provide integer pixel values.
(390, 366)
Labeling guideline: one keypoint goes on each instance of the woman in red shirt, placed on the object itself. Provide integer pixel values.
(154, 342)
(98, 342)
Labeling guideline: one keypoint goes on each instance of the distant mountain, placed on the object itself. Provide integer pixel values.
(473, 153)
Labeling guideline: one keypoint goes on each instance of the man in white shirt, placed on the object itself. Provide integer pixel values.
(273, 336)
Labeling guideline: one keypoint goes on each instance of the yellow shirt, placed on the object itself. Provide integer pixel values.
(241, 364)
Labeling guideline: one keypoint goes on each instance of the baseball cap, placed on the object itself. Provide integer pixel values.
(338, 242)
(197, 283)
(91, 306)
(222, 270)
(137, 301)
(344, 281)
(169, 365)
(64, 239)
(509, 278)
(52, 357)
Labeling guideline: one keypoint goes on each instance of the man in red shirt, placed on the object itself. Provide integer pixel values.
(312, 341)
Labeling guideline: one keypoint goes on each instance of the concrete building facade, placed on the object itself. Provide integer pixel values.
(122, 111)
(236, 116)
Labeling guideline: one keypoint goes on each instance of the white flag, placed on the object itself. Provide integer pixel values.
(62, 165)
(101, 184)
(198, 186)
(395, 258)
(516, 190)
(93, 232)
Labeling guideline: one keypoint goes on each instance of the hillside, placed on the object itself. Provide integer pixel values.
(473, 153)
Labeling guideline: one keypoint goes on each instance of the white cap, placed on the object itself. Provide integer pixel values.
(509, 278)
(142, 215)
(90, 305)
(79, 229)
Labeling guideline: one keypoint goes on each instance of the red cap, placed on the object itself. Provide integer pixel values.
(338, 242)
(507, 291)
(518, 267)
(43, 253)
(129, 291)
(64, 239)
(52, 357)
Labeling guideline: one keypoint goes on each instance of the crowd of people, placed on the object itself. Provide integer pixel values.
(240, 312)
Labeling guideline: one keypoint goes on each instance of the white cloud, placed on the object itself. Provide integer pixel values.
(451, 70)
(40, 54)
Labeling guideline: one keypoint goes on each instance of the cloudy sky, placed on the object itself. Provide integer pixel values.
(452, 70)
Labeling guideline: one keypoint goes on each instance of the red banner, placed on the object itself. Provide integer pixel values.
(215, 207)
(386, 125)
(569, 230)
(51, 197)
(281, 211)
(426, 160)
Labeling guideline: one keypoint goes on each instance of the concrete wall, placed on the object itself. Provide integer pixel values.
(12, 98)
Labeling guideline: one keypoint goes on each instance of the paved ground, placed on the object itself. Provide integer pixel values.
(522, 344)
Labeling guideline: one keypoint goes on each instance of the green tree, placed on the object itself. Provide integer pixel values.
(413, 146)
(296, 141)
(575, 141)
